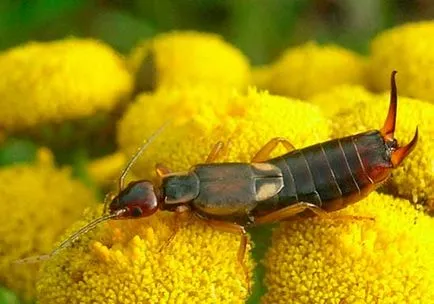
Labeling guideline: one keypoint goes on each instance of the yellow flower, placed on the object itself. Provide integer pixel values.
(261, 76)
(38, 203)
(188, 57)
(389, 260)
(49, 82)
(310, 68)
(414, 177)
(340, 98)
(106, 170)
(130, 261)
(407, 49)
(200, 118)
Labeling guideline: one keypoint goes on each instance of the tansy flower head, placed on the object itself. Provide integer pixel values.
(387, 260)
(261, 76)
(308, 69)
(201, 118)
(188, 57)
(38, 203)
(130, 261)
(407, 49)
(340, 98)
(61, 80)
(414, 177)
(104, 171)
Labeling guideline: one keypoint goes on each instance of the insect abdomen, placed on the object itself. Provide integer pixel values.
(331, 174)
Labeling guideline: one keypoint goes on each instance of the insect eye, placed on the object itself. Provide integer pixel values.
(136, 212)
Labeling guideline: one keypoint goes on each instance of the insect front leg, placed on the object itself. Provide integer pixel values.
(264, 153)
(162, 170)
(182, 215)
(218, 149)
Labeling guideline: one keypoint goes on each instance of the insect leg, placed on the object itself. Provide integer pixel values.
(236, 229)
(182, 214)
(215, 152)
(290, 211)
(293, 210)
(162, 170)
(264, 153)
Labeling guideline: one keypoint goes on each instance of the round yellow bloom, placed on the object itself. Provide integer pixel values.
(107, 169)
(38, 203)
(388, 260)
(340, 98)
(189, 57)
(407, 49)
(310, 68)
(414, 177)
(130, 261)
(201, 118)
(261, 76)
(49, 82)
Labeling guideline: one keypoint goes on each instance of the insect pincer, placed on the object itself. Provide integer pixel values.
(398, 154)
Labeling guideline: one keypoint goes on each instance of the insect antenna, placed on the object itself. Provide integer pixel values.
(103, 218)
(131, 162)
(139, 152)
(72, 238)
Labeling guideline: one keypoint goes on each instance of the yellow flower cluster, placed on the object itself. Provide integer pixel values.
(62, 80)
(341, 98)
(130, 261)
(387, 260)
(310, 68)
(408, 50)
(200, 118)
(414, 177)
(188, 57)
(106, 170)
(38, 203)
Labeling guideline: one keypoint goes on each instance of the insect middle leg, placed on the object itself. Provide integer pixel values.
(264, 153)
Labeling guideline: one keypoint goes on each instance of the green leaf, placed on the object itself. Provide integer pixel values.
(16, 150)
(261, 236)
(8, 297)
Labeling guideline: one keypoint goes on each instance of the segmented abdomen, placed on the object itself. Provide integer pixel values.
(329, 174)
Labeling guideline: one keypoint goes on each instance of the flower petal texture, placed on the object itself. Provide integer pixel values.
(407, 49)
(38, 203)
(130, 261)
(340, 98)
(201, 117)
(61, 80)
(308, 69)
(414, 178)
(388, 260)
(190, 57)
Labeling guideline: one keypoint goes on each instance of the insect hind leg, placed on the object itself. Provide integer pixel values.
(290, 212)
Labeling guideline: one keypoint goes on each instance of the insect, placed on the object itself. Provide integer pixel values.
(233, 196)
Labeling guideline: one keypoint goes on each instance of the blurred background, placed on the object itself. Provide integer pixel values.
(260, 28)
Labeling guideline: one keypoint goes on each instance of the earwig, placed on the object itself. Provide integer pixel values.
(233, 196)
